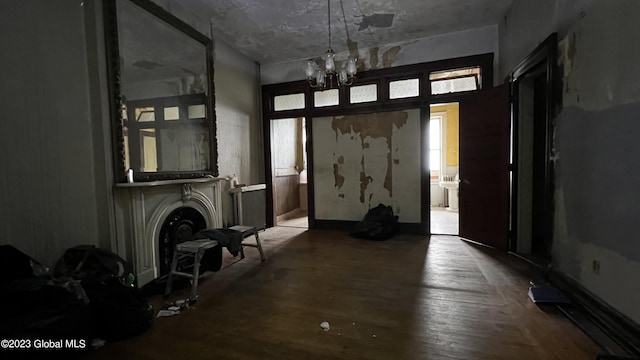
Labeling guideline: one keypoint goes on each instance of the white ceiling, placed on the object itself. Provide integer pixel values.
(271, 31)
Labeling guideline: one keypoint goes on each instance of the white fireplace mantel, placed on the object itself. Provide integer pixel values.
(141, 209)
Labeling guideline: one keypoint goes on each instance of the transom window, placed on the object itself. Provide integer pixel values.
(453, 81)
(363, 93)
(326, 98)
(400, 89)
(288, 102)
(410, 84)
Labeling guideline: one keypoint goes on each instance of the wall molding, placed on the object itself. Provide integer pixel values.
(620, 328)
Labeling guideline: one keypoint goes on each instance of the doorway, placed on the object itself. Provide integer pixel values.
(534, 92)
(444, 168)
(289, 176)
(531, 162)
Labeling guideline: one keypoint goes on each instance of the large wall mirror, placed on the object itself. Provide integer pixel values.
(162, 93)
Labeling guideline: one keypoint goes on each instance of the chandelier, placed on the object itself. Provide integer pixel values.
(319, 77)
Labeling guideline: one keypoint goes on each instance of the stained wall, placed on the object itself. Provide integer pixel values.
(363, 160)
(446, 46)
(596, 206)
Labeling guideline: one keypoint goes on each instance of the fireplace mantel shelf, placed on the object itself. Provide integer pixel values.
(167, 182)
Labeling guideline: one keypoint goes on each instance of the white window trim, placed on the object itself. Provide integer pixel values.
(443, 142)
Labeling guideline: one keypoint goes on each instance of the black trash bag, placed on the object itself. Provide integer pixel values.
(36, 306)
(88, 262)
(120, 310)
(378, 224)
(15, 265)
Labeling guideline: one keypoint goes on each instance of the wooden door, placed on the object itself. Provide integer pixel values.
(484, 167)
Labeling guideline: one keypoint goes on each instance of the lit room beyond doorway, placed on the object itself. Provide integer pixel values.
(289, 164)
(444, 168)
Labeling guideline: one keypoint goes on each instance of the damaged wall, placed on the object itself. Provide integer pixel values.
(528, 23)
(597, 194)
(363, 160)
(446, 46)
(597, 173)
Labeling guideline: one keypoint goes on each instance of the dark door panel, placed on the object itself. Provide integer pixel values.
(484, 163)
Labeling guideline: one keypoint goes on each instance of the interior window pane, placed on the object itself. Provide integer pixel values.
(363, 93)
(454, 73)
(127, 157)
(453, 85)
(288, 102)
(404, 88)
(326, 98)
(434, 160)
(145, 114)
(196, 111)
(455, 80)
(172, 113)
(149, 151)
(434, 133)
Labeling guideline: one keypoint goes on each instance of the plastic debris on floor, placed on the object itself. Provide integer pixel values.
(547, 294)
(324, 325)
(174, 308)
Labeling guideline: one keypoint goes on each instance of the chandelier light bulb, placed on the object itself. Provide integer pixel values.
(310, 70)
(343, 76)
(320, 77)
(330, 64)
(351, 67)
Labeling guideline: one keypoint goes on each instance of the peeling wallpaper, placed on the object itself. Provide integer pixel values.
(596, 200)
(364, 160)
(597, 197)
(456, 44)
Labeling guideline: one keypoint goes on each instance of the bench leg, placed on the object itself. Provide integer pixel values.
(174, 265)
(259, 245)
(196, 274)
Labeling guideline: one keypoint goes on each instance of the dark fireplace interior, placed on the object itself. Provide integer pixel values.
(178, 227)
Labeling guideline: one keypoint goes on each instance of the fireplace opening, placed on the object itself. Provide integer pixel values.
(179, 226)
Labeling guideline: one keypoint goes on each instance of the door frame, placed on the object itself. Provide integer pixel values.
(381, 77)
(545, 55)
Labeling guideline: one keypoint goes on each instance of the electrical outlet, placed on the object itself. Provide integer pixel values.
(596, 267)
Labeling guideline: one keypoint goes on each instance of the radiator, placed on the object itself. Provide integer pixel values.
(250, 205)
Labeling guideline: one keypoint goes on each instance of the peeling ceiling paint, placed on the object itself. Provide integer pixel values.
(271, 31)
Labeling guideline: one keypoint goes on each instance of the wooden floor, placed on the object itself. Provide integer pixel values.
(405, 298)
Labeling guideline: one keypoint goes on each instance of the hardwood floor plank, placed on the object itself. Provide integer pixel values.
(405, 298)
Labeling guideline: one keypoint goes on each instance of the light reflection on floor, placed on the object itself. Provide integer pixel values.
(444, 222)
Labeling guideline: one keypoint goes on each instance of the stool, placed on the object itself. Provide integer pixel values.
(246, 232)
(194, 249)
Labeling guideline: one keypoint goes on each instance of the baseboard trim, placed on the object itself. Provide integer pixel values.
(345, 225)
(621, 329)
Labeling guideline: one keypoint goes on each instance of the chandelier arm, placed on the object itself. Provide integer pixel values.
(325, 78)
(344, 18)
(329, 20)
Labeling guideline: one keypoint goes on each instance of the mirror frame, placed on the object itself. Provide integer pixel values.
(115, 95)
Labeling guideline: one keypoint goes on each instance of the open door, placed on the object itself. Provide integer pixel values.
(484, 167)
